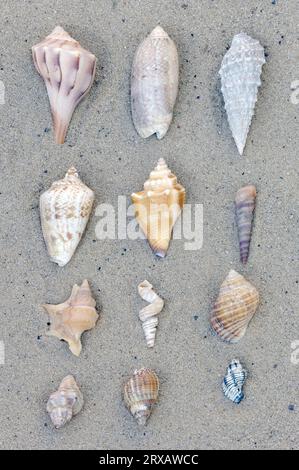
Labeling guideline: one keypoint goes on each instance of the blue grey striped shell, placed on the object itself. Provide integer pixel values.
(233, 381)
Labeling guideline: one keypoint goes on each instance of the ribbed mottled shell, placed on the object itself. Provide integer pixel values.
(65, 209)
(149, 314)
(65, 403)
(154, 84)
(240, 73)
(74, 316)
(68, 71)
(158, 207)
(234, 308)
(141, 393)
(245, 204)
(233, 381)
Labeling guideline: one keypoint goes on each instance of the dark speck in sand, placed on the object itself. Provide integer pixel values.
(184, 6)
(195, 317)
(291, 407)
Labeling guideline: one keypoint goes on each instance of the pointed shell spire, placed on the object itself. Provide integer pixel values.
(158, 207)
(65, 403)
(233, 381)
(154, 84)
(74, 316)
(245, 204)
(234, 308)
(68, 71)
(141, 393)
(64, 210)
(240, 73)
(149, 314)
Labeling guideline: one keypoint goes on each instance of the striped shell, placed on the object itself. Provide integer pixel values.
(233, 381)
(240, 73)
(141, 393)
(245, 204)
(234, 308)
(64, 210)
(158, 207)
(149, 314)
(65, 403)
(154, 84)
(68, 71)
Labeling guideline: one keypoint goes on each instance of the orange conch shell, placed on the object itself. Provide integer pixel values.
(68, 71)
(141, 393)
(234, 308)
(74, 316)
(158, 206)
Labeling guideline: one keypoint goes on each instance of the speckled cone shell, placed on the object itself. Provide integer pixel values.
(149, 314)
(233, 381)
(158, 206)
(64, 210)
(141, 393)
(245, 204)
(240, 73)
(74, 316)
(234, 308)
(68, 71)
(65, 403)
(154, 84)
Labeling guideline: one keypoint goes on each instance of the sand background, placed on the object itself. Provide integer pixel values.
(102, 143)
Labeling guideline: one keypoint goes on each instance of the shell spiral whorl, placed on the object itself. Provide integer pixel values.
(149, 314)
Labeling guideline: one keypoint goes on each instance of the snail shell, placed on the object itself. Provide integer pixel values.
(64, 210)
(149, 314)
(154, 84)
(245, 204)
(65, 403)
(141, 393)
(68, 71)
(233, 381)
(240, 73)
(234, 308)
(158, 207)
(74, 316)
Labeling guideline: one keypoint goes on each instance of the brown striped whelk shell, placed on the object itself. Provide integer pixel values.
(234, 308)
(141, 393)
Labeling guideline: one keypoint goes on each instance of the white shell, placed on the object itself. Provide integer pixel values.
(65, 209)
(149, 314)
(234, 380)
(240, 73)
(65, 403)
(154, 84)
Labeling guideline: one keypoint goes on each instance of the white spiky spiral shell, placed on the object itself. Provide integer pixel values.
(234, 380)
(65, 209)
(149, 314)
(240, 78)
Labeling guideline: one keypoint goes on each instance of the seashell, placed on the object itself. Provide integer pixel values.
(68, 71)
(141, 393)
(65, 209)
(233, 381)
(234, 308)
(245, 203)
(158, 206)
(240, 73)
(154, 84)
(149, 314)
(65, 403)
(74, 316)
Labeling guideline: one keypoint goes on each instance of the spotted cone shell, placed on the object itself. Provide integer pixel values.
(64, 210)
(154, 84)
(141, 393)
(240, 73)
(234, 308)
(245, 204)
(158, 207)
(65, 403)
(68, 71)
